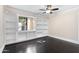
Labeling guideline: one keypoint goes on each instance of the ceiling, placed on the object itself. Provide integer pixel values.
(35, 8)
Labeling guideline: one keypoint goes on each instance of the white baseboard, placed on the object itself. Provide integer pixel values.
(1, 49)
(69, 40)
(26, 40)
(61, 38)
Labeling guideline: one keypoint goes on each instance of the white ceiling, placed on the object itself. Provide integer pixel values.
(35, 8)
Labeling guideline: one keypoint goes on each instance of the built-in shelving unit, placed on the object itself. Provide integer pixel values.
(12, 35)
(9, 26)
(42, 26)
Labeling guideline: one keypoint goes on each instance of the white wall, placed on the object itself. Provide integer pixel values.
(64, 24)
(2, 41)
(11, 30)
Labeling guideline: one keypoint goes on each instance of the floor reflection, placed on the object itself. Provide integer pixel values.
(31, 49)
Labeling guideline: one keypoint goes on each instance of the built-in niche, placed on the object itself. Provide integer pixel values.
(26, 23)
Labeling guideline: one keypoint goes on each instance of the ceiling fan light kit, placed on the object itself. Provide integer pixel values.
(48, 11)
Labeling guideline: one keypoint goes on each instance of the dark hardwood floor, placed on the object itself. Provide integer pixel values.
(42, 45)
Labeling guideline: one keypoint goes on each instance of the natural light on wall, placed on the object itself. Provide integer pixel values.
(30, 24)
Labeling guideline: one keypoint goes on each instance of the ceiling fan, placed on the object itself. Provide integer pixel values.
(49, 9)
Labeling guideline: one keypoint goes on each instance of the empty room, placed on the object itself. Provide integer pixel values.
(39, 28)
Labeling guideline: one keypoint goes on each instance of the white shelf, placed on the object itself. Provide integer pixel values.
(27, 31)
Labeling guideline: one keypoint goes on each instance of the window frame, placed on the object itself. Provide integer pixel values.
(34, 25)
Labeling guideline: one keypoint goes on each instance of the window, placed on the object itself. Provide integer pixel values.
(26, 23)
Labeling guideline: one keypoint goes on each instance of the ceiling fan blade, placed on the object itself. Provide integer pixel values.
(55, 9)
(42, 9)
(43, 12)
